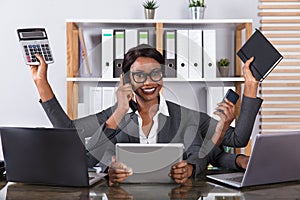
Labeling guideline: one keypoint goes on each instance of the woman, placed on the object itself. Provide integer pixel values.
(156, 120)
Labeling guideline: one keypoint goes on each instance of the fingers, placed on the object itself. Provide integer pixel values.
(179, 172)
(242, 161)
(180, 164)
(250, 84)
(225, 108)
(179, 177)
(118, 172)
(248, 62)
(119, 167)
(41, 69)
(247, 72)
(117, 175)
(124, 94)
(41, 59)
(227, 103)
(246, 67)
(121, 79)
(113, 159)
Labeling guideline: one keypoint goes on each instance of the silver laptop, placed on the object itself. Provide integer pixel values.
(150, 163)
(50, 156)
(274, 159)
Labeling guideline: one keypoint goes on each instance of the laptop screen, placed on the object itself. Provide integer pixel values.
(49, 156)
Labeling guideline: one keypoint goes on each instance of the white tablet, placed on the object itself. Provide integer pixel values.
(150, 163)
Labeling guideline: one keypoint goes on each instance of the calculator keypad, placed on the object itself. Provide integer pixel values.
(43, 49)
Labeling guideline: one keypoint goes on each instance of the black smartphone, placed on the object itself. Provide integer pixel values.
(132, 104)
(232, 96)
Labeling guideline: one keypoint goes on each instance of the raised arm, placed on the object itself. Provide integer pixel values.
(39, 75)
(238, 136)
(251, 84)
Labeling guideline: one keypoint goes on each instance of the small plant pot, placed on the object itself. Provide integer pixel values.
(197, 12)
(149, 13)
(224, 71)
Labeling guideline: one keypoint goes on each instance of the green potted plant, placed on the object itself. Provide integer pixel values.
(197, 8)
(149, 7)
(196, 3)
(223, 65)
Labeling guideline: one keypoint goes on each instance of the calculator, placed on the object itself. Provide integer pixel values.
(35, 41)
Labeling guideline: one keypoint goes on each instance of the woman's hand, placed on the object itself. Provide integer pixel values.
(118, 172)
(180, 172)
(226, 112)
(242, 161)
(39, 72)
(251, 84)
(124, 94)
(39, 75)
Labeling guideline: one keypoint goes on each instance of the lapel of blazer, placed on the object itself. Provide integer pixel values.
(132, 130)
(168, 125)
(164, 128)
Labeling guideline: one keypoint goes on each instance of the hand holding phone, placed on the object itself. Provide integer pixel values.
(232, 96)
(132, 104)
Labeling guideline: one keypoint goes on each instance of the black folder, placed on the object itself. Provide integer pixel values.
(266, 57)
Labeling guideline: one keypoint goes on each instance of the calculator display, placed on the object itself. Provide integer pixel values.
(32, 33)
(35, 41)
(36, 34)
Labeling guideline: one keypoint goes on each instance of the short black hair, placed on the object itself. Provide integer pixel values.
(142, 50)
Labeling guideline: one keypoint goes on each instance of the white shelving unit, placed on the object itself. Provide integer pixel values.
(77, 85)
(241, 29)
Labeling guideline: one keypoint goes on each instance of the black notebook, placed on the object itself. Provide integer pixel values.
(266, 57)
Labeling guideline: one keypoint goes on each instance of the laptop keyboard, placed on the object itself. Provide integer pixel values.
(236, 179)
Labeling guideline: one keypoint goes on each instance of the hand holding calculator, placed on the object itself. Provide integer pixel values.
(35, 41)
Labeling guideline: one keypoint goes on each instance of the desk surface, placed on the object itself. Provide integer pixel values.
(191, 190)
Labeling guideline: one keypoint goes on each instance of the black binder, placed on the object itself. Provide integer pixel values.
(266, 57)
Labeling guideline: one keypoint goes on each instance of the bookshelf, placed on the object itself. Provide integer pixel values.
(241, 29)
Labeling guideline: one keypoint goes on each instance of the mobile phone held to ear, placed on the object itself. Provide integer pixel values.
(35, 41)
(232, 96)
(132, 104)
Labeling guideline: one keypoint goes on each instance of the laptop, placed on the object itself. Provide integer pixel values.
(49, 156)
(274, 159)
(150, 163)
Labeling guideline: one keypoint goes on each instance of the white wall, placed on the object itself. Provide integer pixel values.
(19, 104)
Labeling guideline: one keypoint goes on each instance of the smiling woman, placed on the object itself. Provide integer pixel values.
(157, 120)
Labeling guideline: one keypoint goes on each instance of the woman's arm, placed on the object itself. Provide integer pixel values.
(39, 75)
(239, 136)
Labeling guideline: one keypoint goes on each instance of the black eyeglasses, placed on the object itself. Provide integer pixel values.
(140, 77)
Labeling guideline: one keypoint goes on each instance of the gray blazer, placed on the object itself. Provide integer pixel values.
(193, 129)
